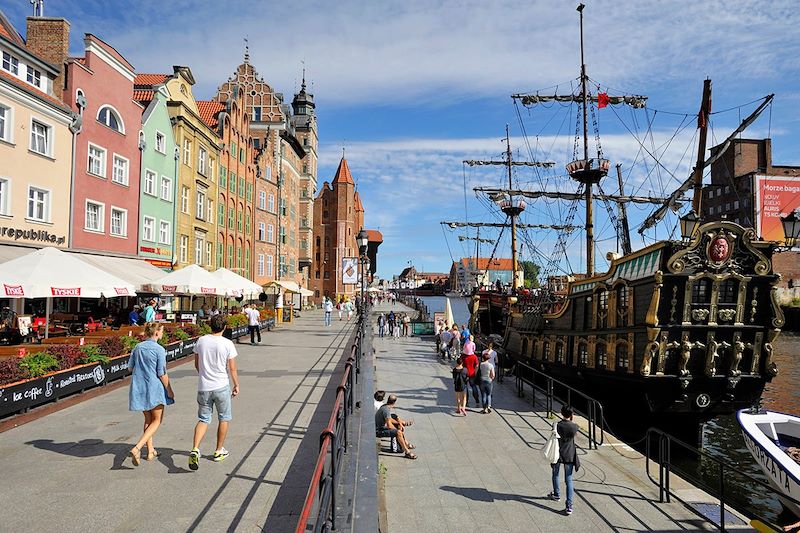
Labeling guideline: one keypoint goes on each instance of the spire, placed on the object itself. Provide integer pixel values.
(246, 50)
(303, 102)
(343, 173)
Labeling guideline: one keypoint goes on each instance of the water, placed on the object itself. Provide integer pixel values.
(722, 436)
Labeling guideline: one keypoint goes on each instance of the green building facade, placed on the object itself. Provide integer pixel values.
(157, 194)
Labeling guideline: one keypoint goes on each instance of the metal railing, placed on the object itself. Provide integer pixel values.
(333, 441)
(594, 409)
(666, 466)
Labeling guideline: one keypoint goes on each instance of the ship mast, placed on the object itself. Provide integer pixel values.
(589, 206)
(702, 123)
(512, 211)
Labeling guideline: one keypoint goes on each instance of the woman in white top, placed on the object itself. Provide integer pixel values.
(487, 379)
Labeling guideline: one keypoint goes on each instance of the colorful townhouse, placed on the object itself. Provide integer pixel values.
(35, 148)
(237, 172)
(159, 167)
(99, 87)
(197, 190)
(304, 122)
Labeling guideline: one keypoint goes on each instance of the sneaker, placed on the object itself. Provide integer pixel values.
(220, 455)
(568, 511)
(553, 496)
(194, 459)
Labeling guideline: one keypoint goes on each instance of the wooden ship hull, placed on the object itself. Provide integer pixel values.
(683, 329)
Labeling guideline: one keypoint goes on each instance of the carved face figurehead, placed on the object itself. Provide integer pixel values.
(719, 250)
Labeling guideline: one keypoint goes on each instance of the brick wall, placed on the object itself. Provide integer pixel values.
(48, 38)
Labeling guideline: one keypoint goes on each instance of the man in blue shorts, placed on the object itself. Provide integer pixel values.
(387, 426)
(215, 360)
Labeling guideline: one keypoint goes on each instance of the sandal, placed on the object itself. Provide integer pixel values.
(411, 446)
(410, 455)
(135, 455)
(152, 456)
(409, 423)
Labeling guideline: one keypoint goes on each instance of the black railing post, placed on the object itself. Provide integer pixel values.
(721, 497)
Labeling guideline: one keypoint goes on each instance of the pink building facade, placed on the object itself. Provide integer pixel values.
(105, 199)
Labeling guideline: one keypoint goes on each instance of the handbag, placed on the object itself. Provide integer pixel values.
(550, 449)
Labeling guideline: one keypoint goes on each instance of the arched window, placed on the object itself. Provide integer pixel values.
(583, 354)
(701, 291)
(546, 351)
(559, 352)
(622, 357)
(728, 290)
(600, 355)
(108, 117)
(602, 309)
(622, 305)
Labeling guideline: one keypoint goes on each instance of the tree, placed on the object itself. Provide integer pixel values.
(531, 272)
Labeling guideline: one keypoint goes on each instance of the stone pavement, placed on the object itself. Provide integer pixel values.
(487, 473)
(68, 471)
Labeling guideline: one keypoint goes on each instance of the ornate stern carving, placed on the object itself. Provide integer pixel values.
(779, 320)
(738, 351)
(754, 305)
(663, 346)
(770, 368)
(686, 347)
(712, 354)
(700, 315)
(726, 315)
(652, 350)
(718, 245)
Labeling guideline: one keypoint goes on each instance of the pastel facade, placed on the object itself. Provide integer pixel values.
(159, 166)
(35, 147)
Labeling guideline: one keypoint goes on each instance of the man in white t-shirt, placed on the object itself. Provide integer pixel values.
(253, 317)
(215, 360)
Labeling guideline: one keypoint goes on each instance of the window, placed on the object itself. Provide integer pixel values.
(241, 186)
(149, 185)
(249, 192)
(211, 168)
(233, 182)
(230, 217)
(736, 204)
(184, 248)
(601, 355)
(233, 148)
(97, 161)
(166, 188)
(185, 199)
(108, 117)
(220, 254)
(239, 258)
(120, 170)
(602, 309)
(622, 305)
(164, 232)
(187, 152)
(199, 244)
(241, 155)
(161, 142)
(728, 290)
(34, 77)
(148, 229)
(271, 233)
(40, 137)
(210, 216)
(262, 231)
(701, 291)
(583, 354)
(201, 205)
(94, 216)
(262, 199)
(727, 189)
(119, 222)
(10, 63)
(230, 256)
(622, 356)
(546, 351)
(5, 195)
(260, 267)
(256, 114)
(38, 204)
(271, 203)
(247, 223)
(559, 352)
(223, 177)
(209, 248)
(239, 220)
(5, 123)
(221, 215)
(202, 155)
(269, 265)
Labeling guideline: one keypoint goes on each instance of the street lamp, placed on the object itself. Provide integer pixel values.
(689, 223)
(362, 239)
(791, 229)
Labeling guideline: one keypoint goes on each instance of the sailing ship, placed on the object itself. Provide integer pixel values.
(683, 329)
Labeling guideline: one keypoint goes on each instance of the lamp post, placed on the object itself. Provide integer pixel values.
(791, 229)
(363, 240)
(689, 223)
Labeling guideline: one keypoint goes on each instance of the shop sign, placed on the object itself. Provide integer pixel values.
(33, 235)
(59, 291)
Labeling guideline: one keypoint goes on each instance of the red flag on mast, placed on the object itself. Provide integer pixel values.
(602, 100)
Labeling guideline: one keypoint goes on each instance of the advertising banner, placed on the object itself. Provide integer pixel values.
(776, 196)
(350, 270)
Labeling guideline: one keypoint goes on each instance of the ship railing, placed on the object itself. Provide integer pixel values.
(319, 510)
(725, 470)
(593, 411)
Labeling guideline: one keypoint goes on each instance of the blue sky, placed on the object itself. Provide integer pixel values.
(412, 88)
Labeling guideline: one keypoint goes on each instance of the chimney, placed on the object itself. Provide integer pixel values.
(48, 38)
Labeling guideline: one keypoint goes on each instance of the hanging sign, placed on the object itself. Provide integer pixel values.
(350, 270)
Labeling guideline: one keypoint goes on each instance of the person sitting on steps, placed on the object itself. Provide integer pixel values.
(387, 426)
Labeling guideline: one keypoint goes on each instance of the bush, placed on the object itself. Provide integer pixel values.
(67, 355)
(112, 346)
(237, 320)
(266, 314)
(129, 342)
(92, 354)
(205, 329)
(38, 364)
(10, 371)
(178, 334)
(192, 330)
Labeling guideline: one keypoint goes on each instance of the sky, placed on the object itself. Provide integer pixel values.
(411, 89)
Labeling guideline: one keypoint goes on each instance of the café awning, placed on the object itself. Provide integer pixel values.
(50, 272)
(190, 280)
(289, 286)
(239, 284)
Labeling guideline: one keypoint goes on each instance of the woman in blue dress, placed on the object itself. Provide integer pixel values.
(150, 387)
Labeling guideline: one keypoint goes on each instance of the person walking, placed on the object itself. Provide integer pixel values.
(381, 324)
(392, 323)
(340, 308)
(567, 455)
(460, 381)
(253, 326)
(471, 364)
(327, 306)
(398, 327)
(444, 344)
(350, 307)
(486, 382)
(149, 312)
(455, 343)
(150, 388)
(464, 333)
(215, 361)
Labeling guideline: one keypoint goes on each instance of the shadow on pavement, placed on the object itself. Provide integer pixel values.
(480, 494)
(118, 451)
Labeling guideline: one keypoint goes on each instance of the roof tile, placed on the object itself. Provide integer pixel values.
(209, 111)
(374, 235)
(143, 97)
(33, 90)
(343, 173)
(485, 263)
(150, 79)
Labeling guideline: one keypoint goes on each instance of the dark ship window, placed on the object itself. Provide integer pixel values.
(602, 358)
(583, 354)
(546, 351)
(622, 356)
(622, 305)
(727, 291)
(602, 309)
(701, 291)
(559, 352)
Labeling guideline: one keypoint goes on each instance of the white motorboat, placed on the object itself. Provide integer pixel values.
(768, 435)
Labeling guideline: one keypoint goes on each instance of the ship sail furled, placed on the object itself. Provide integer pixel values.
(635, 101)
(671, 202)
